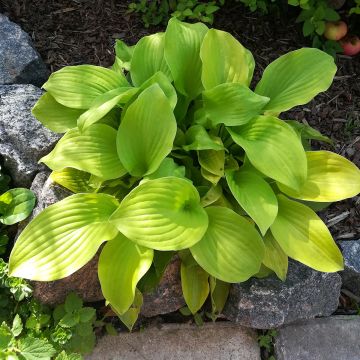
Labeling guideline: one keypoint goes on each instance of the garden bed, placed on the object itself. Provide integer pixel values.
(72, 32)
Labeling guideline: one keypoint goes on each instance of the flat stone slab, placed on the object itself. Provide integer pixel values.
(333, 338)
(219, 341)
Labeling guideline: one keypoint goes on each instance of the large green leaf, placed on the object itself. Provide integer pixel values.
(93, 151)
(103, 104)
(224, 60)
(78, 86)
(295, 78)
(231, 249)
(275, 258)
(162, 214)
(16, 205)
(232, 104)
(56, 117)
(274, 149)
(122, 264)
(194, 284)
(255, 196)
(147, 132)
(304, 237)
(197, 138)
(331, 177)
(148, 58)
(182, 54)
(63, 237)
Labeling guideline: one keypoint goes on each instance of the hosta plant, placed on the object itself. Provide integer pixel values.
(172, 151)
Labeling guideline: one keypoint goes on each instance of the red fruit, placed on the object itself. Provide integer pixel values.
(335, 30)
(350, 45)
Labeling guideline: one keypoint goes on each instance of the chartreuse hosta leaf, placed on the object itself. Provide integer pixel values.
(148, 58)
(78, 86)
(168, 167)
(123, 57)
(147, 132)
(162, 214)
(197, 138)
(182, 54)
(219, 292)
(56, 117)
(93, 151)
(122, 264)
(275, 258)
(194, 282)
(231, 249)
(232, 104)
(295, 78)
(16, 205)
(251, 65)
(331, 177)
(304, 237)
(72, 179)
(63, 237)
(224, 60)
(212, 164)
(103, 104)
(255, 196)
(274, 149)
(163, 81)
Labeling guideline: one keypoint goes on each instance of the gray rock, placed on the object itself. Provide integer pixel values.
(334, 338)
(351, 274)
(269, 303)
(167, 296)
(219, 341)
(20, 63)
(23, 140)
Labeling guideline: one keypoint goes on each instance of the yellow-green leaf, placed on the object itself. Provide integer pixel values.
(56, 117)
(63, 237)
(93, 151)
(147, 132)
(232, 104)
(275, 258)
(224, 60)
(148, 58)
(304, 237)
(182, 54)
(331, 177)
(78, 86)
(103, 104)
(72, 179)
(122, 264)
(162, 214)
(255, 196)
(295, 78)
(195, 285)
(274, 149)
(231, 249)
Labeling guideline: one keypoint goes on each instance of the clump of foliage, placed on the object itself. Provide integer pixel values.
(29, 330)
(155, 12)
(171, 151)
(313, 14)
(15, 206)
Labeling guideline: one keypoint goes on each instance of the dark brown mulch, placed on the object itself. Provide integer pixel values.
(69, 32)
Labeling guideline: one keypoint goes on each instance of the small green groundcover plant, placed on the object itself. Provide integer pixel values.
(171, 151)
(15, 206)
(32, 331)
